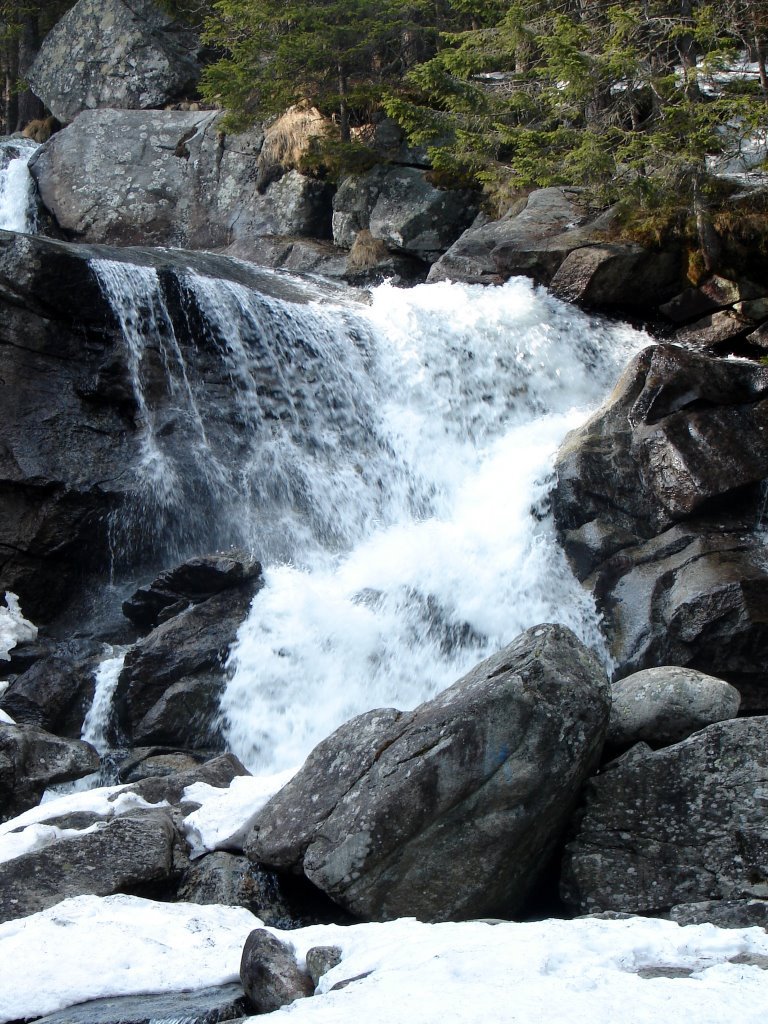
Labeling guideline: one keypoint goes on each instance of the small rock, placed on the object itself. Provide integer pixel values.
(320, 960)
(270, 973)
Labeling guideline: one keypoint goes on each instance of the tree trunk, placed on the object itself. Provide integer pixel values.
(29, 106)
(709, 240)
(343, 109)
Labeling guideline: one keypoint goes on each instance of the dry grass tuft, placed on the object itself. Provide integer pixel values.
(287, 140)
(366, 252)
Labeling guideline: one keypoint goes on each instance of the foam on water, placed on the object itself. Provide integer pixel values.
(17, 188)
(474, 390)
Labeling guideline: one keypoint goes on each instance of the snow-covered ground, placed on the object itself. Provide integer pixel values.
(554, 971)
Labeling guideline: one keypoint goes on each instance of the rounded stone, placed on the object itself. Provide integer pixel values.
(663, 705)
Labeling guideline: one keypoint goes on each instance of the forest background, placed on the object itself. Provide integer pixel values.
(634, 102)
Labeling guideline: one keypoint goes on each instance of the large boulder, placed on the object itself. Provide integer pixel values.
(402, 209)
(31, 760)
(121, 856)
(167, 177)
(449, 811)
(617, 274)
(114, 53)
(680, 825)
(657, 501)
(532, 238)
(553, 238)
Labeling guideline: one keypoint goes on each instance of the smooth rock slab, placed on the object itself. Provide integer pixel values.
(685, 824)
(660, 706)
(206, 1006)
(449, 811)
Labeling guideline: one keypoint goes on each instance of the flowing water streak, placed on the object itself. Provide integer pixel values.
(475, 388)
(97, 720)
(17, 187)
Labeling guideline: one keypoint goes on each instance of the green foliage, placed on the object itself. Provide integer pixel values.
(337, 54)
(611, 97)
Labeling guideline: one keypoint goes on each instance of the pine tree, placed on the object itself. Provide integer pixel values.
(336, 54)
(619, 98)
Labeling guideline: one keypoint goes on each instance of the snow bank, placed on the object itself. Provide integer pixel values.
(555, 971)
(14, 628)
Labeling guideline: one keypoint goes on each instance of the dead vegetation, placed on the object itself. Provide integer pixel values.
(288, 140)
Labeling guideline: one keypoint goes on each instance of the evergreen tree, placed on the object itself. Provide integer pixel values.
(616, 97)
(337, 54)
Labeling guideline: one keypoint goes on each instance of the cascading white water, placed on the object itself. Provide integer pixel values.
(389, 464)
(471, 391)
(97, 720)
(17, 207)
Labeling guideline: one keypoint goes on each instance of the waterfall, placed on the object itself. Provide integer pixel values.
(97, 720)
(474, 390)
(390, 464)
(18, 210)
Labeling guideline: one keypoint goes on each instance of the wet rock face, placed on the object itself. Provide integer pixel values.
(658, 501)
(676, 826)
(32, 759)
(113, 53)
(74, 502)
(449, 811)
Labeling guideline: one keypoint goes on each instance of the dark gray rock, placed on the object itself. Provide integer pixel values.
(684, 824)
(657, 502)
(663, 705)
(402, 209)
(279, 900)
(718, 331)
(56, 691)
(449, 811)
(192, 582)
(218, 772)
(618, 274)
(112, 53)
(31, 760)
(710, 295)
(745, 913)
(320, 960)
(270, 974)
(155, 762)
(169, 687)
(680, 430)
(532, 238)
(120, 856)
(204, 1006)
